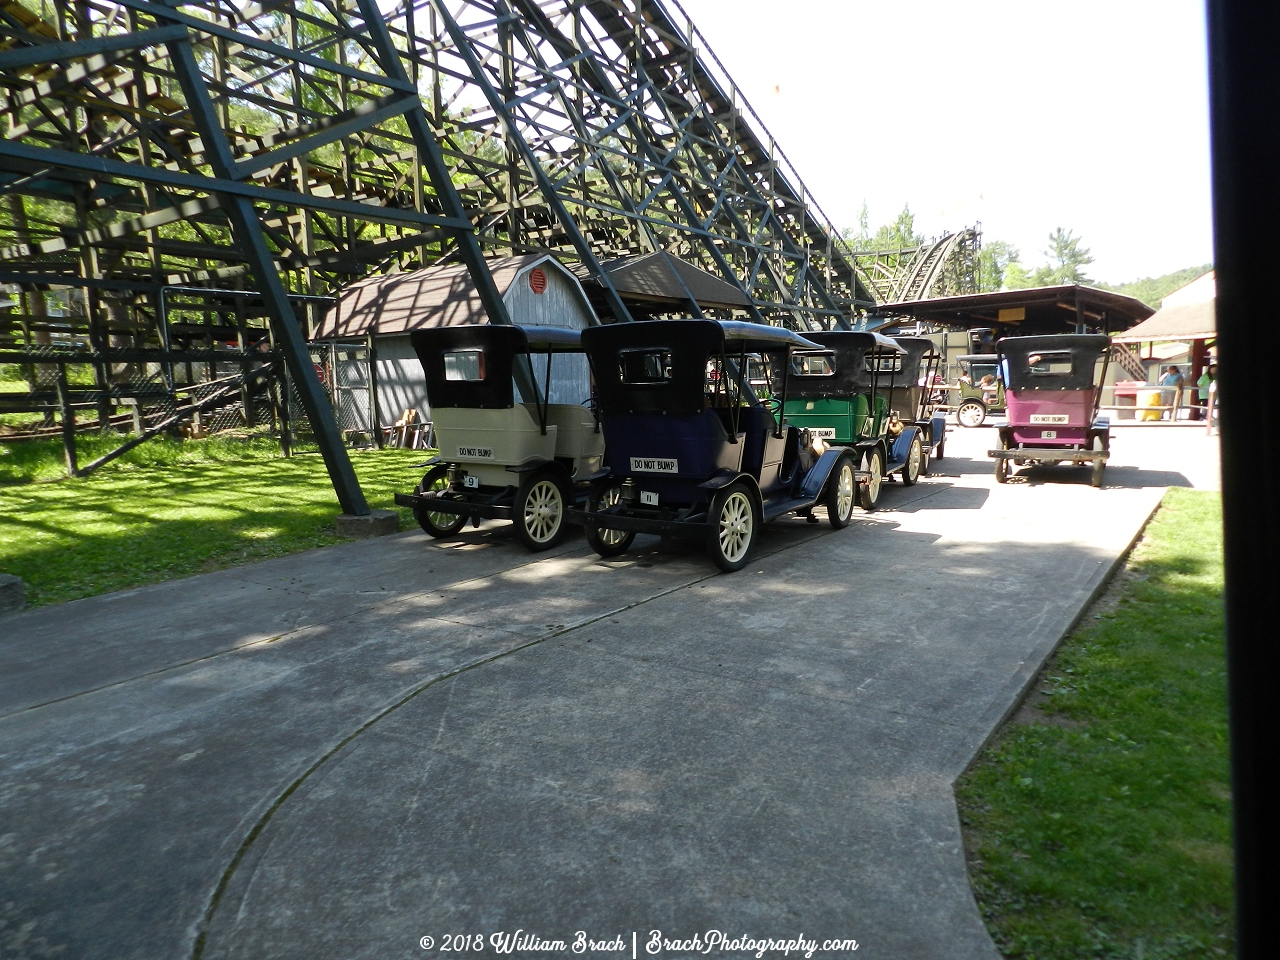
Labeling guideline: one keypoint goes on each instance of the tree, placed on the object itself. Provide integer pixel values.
(1018, 277)
(899, 235)
(1152, 290)
(997, 263)
(1067, 258)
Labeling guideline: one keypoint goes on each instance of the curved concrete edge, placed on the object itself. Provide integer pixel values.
(1016, 691)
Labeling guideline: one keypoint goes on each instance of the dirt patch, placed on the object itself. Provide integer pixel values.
(1032, 710)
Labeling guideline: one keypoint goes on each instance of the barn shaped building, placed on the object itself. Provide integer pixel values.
(381, 312)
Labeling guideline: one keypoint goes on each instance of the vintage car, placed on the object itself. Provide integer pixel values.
(853, 392)
(517, 437)
(981, 389)
(916, 396)
(692, 449)
(1053, 386)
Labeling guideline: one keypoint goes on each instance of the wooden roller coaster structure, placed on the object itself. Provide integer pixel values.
(264, 155)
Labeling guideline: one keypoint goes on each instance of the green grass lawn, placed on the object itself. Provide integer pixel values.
(1097, 824)
(171, 509)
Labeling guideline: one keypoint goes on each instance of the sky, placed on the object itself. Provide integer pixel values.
(1023, 115)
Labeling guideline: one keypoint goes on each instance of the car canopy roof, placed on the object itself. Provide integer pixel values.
(917, 348)
(758, 337)
(660, 366)
(1057, 362)
(499, 345)
(851, 348)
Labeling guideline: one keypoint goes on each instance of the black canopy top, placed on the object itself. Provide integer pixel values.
(917, 348)
(760, 337)
(660, 366)
(848, 351)
(1058, 362)
(472, 365)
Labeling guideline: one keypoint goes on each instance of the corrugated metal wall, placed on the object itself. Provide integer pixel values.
(401, 382)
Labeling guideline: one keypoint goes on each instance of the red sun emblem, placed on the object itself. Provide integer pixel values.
(537, 280)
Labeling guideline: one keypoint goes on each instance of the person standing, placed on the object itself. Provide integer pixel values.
(1202, 388)
(1172, 379)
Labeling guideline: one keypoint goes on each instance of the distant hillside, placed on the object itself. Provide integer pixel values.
(1151, 290)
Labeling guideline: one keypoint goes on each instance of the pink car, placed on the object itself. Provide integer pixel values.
(1052, 391)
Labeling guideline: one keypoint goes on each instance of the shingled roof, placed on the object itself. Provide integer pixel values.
(443, 295)
(661, 278)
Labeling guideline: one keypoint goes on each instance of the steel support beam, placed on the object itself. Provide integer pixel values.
(289, 339)
(430, 156)
(549, 194)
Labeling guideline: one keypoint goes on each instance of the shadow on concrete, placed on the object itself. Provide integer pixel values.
(677, 769)
(402, 738)
(1118, 475)
(958, 467)
(936, 494)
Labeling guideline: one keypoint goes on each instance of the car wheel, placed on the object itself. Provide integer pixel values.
(869, 492)
(915, 463)
(539, 510)
(1099, 466)
(436, 484)
(1002, 470)
(941, 448)
(841, 490)
(971, 413)
(606, 542)
(734, 527)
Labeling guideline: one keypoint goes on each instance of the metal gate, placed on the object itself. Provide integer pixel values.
(343, 369)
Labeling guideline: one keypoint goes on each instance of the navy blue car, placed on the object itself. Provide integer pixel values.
(692, 449)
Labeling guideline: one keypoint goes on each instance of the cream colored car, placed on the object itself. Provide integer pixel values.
(517, 436)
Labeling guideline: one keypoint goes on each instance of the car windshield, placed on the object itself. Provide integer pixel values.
(813, 364)
(645, 365)
(1049, 364)
(883, 363)
(464, 365)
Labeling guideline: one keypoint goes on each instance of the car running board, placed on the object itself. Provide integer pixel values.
(774, 510)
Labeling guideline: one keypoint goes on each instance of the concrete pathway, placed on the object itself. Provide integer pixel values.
(336, 754)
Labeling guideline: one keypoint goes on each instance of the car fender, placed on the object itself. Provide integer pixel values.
(598, 475)
(748, 481)
(938, 430)
(719, 480)
(902, 445)
(540, 463)
(816, 479)
(864, 447)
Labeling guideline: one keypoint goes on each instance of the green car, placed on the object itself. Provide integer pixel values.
(979, 398)
(839, 393)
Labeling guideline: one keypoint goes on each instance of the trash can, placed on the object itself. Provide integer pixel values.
(1151, 397)
(1126, 394)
